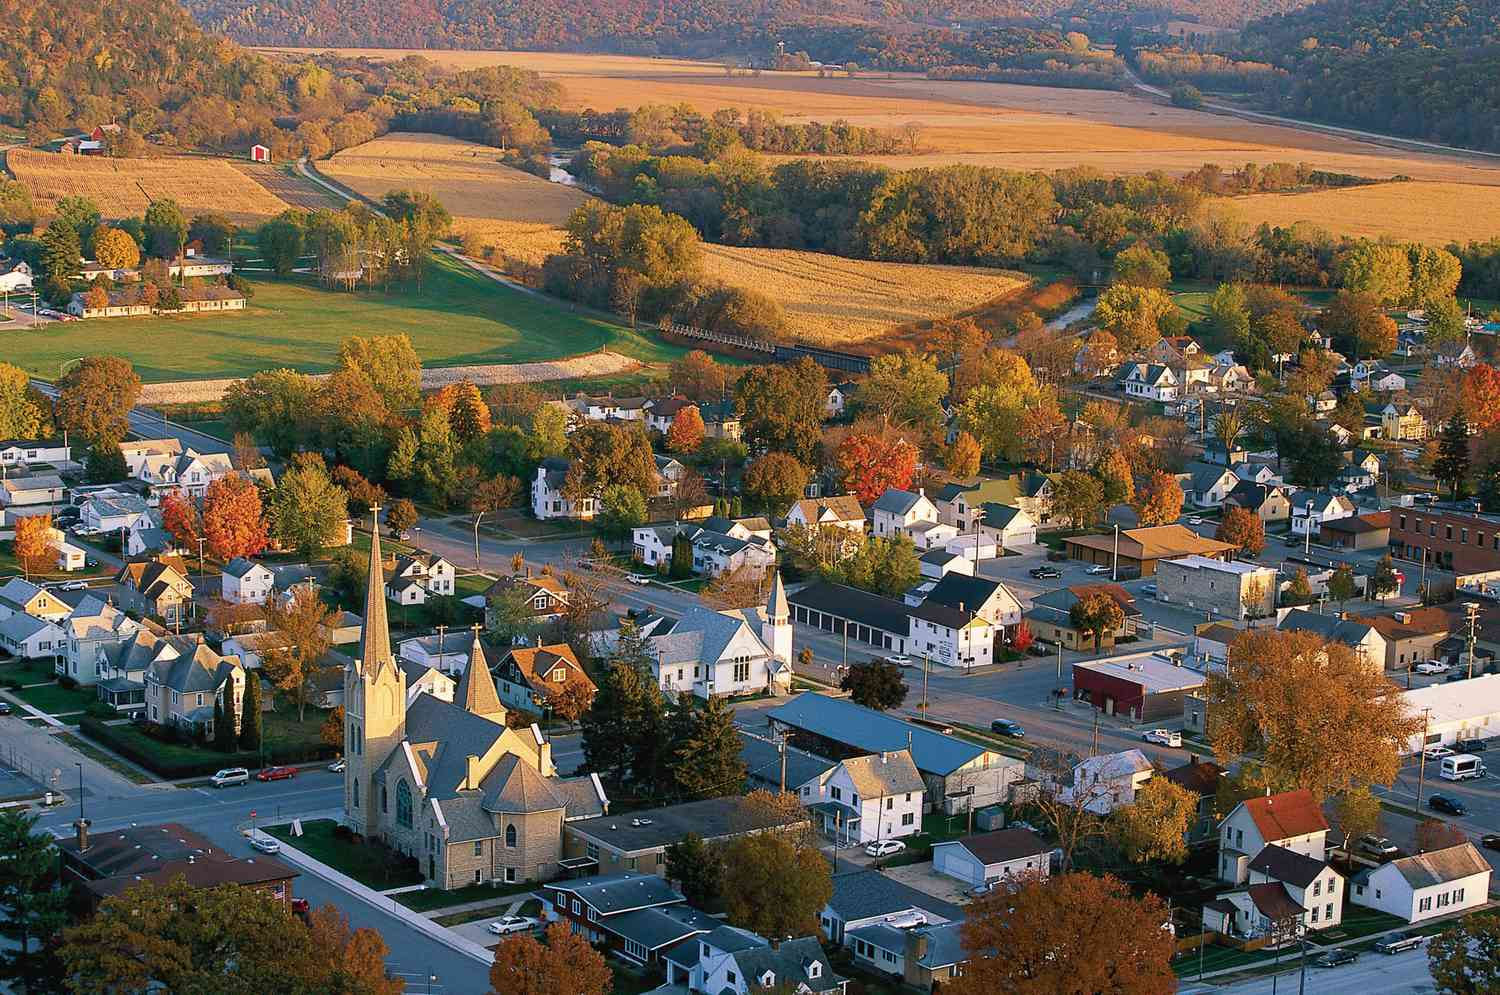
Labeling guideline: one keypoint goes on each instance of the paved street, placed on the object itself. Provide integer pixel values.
(1396, 974)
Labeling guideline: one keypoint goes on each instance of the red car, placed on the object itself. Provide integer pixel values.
(276, 774)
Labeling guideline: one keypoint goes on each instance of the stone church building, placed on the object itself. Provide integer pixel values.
(447, 782)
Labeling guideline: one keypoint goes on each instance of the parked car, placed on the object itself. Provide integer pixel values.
(1437, 752)
(1442, 803)
(75, 585)
(1097, 569)
(1398, 942)
(506, 925)
(641, 580)
(884, 848)
(1166, 737)
(337, 766)
(1195, 520)
(5, 708)
(265, 844)
(1045, 573)
(899, 659)
(1376, 846)
(1490, 841)
(1148, 589)
(1006, 727)
(230, 776)
(980, 890)
(1336, 957)
(1431, 667)
(276, 774)
(1457, 675)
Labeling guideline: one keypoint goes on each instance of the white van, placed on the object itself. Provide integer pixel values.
(1462, 767)
(230, 776)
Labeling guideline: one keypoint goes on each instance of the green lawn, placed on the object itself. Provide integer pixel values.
(281, 730)
(54, 698)
(367, 864)
(429, 899)
(458, 317)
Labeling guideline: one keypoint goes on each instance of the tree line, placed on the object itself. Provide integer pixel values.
(357, 244)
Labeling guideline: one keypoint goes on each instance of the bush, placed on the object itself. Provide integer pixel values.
(126, 741)
(342, 832)
(67, 682)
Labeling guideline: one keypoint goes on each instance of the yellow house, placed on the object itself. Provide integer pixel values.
(1402, 422)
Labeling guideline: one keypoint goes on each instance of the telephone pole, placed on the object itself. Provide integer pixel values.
(924, 683)
(1471, 615)
(1422, 758)
(781, 748)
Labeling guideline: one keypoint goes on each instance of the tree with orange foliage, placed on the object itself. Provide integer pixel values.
(1041, 427)
(1159, 502)
(1068, 933)
(963, 456)
(468, 415)
(567, 965)
(685, 434)
(179, 516)
(233, 520)
(34, 548)
(1243, 528)
(1481, 396)
(351, 960)
(871, 464)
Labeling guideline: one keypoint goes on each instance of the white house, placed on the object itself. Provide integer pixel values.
(1282, 884)
(136, 451)
(30, 637)
(418, 575)
(896, 511)
(69, 556)
(734, 652)
(1437, 883)
(720, 545)
(547, 500)
(950, 637)
(732, 961)
(1292, 820)
(1310, 509)
(190, 472)
(935, 564)
(991, 857)
(30, 495)
(15, 276)
(862, 799)
(33, 452)
(245, 582)
(147, 537)
(1104, 783)
(842, 511)
(94, 627)
(839, 396)
(447, 652)
(988, 599)
(1007, 525)
(1149, 381)
(113, 513)
(1207, 484)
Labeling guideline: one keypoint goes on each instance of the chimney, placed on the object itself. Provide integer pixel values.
(82, 825)
(884, 757)
(471, 772)
(775, 943)
(1192, 759)
(916, 944)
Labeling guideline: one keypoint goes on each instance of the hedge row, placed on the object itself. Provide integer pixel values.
(131, 748)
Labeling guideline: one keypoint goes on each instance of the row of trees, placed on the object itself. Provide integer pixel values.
(357, 244)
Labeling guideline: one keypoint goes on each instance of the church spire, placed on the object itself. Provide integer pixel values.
(375, 641)
(776, 606)
(476, 689)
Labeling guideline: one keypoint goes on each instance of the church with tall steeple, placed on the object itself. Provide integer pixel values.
(448, 783)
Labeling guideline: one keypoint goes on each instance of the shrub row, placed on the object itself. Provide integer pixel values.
(131, 748)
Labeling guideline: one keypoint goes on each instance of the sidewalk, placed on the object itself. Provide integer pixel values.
(513, 902)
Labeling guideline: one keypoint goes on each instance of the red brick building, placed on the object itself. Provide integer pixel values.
(1464, 542)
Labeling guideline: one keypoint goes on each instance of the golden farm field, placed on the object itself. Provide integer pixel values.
(468, 178)
(122, 187)
(1437, 213)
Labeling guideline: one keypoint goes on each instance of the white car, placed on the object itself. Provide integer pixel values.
(74, 585)
(1437, 752)
(1431, 667)
(1096, 569)
(899, 660)
(265, 844)
(884, 848)
(1166, 737)
(639, 579)
(512, 924)
(337, 766)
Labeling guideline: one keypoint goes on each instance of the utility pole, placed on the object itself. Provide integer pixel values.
(1307, 530)
(1422, 758)
(1471, 615)
(1094, 746)
(201, 541)
(1059, 655)
(924, 683)
(1114, 570)
(781, 748)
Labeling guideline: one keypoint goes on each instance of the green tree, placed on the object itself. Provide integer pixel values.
(82, 215)
(508, 614)
(61, 254)
(605, 455)
(1299, 591)
(1228, 314)
(621, 510)
(1341, 584)
(624, 731)
(781, 407)
(214, 230)
(32, 911)
(1383, 271)
(250, 714)
(1154, 827)
(389, 364)
(105, 463)
(308, 510)
(906, 388)
(774, 886)
(224, 739)
(402, 463)
(274, 406)
(1446, 330)
(437, 457)
(876, 684)
(23, 411)
(1142, 266)
(1134, 314)
(280, 243)
(775, 481)
(1465, 957)
(1077, 497)
(166, 229)
(1383, 581)
(705, 760)
(1115, 478)
(1434, 273)
(1451, 468)
(887, 566)
(697, 869)
(1096, 614)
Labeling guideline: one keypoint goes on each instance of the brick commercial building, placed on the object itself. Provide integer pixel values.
(1225, 590)
(1465, 542)
(1144, 687)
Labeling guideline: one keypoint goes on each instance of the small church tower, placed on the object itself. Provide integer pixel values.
(776, 630)
(476, 688)
(374, 702)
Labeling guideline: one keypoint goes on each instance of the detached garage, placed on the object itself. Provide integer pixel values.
(992, 856)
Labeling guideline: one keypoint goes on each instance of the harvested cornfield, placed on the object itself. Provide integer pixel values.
(1435, 213)
(832, 301)
(527, 242)
(125, 187)
(467, 178)
(283, 180)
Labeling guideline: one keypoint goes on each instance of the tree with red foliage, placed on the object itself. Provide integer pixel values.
(179, 516)
(1021, 637)
(233, 520)
(870, 465)
(685, 434)
(1243, 528)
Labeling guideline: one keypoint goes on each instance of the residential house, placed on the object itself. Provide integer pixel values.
(1268, 502)
(951, 637)
(544, 593)
(34, 453)
(1104, 783)
(710, 653)
(1050, 616)
(669, 473)
(840, 396)
(1402, 421)
(660, 412)
(719, 545)
(245, 582)
(1009, 526)
(961, 503)
(529, 676)
(841, 511)
(31, 638)
(990, 600)
(15, 276)
(958, 774)
(634, 916)
(1356, 633)
(22, 597)
(923, 957)
(1228, 378)
(115, 513)
(731, 961)
(1463, 359)
(1436, 883)
(1352, 478)
(121, 666)
(137, 451)
(158, 587)
(989, 858)
(30, 494)
(1149, 381)
(868, 798)
(1234, 589)
(1201, 779)
(547, 499)
(1207, 484)
(720, 420)
(1292, 820)
(93, 627)
(1173, 350)
(1412, 635)
(1280, 879)
(1257, 473)
(864, 898)
(1140, 550)
(935, 564)
(896, 511)
(445, 652)
(422, 679)
(254, 648)
(419, 575)
(764, 763)
(147, 538)
(181, 690)
(189, 472)
(1310, 509)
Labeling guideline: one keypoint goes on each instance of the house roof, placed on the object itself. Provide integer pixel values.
(896, 502)
(1252, 496)
(1429, 621)
(1455, 702)
(861, 728)
(885, 614)
(1273, 901)
(652, 829)
(1221, 632)
(1436, 867)
(1286, 815)
(1201, 777)
(879, 774)
(841, 507)
(1350, 631)
(763, 757)
(944, 942)
(1051, 606)
(701, 636)
(791, 962)
(21, 626)
(869, 894)
(1375, 521)
(972, 593)
(1000, 516)
(1002, 845)
(1159, 542)
(538, 663)
(1155, 674)
(945, 616)
(655, 928)
(240, 567)
(611, 894)
(1287, 865)
(199, 670)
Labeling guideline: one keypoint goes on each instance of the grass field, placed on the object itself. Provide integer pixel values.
(123, 187)
(468, 178)
(1427, 212)
(459, 317)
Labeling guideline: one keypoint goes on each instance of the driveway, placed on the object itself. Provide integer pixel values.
(923, 878)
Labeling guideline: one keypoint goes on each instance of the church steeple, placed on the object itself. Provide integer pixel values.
(476, 688)
(375, 640)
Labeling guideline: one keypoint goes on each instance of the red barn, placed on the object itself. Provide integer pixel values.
(259, 153)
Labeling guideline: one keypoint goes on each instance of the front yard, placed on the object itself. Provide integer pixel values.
(372, 865)
(429, 899)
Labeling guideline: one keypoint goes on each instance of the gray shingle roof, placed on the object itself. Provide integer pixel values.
(896, 501)
(944, 942)
(1281, 864)
(885, 614)
(866, 729)
(763, 760)
(514, 786)
(660, 927)
(611, 894)
(1330, 627)
(869, 893)
(1441, 866)
(790, 962)
(700, 636)
(710, 818)
(881, 774)
(239, 567)
(21, 626)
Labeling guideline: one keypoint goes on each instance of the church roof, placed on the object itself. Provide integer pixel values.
(375, 640)
(476, 689)
(513, 786)
(458, 732)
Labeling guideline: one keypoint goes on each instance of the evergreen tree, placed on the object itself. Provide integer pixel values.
(224, 721)
(697, 869)
(1452, 464)
(624, 730)
(31, 910)
(706, 761)
(682, 557)
(250, 718)
(105, 463)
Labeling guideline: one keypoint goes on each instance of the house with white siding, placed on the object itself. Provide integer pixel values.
(988, 858)
(1436, 883)
(878, 796)
(245, 582)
